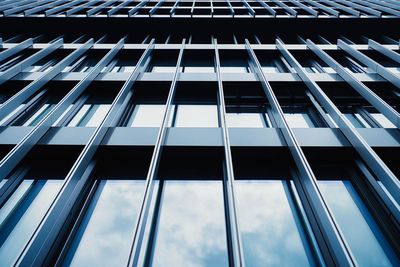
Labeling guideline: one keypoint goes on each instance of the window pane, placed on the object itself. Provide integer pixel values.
(189, 232)
(299, 120)
(38, 115)
(357, 120)
(250, 120)
(147, 116)
(27, 207)
(383, 121)
(367, 243)
(196, 116)
(271, 232)
(106, 232)
(90, 115)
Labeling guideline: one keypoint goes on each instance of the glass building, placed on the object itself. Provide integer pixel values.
(200, 133)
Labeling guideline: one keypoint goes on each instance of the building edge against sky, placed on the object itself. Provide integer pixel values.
(200, 133)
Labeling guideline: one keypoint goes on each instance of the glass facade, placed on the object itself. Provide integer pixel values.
(238, 133)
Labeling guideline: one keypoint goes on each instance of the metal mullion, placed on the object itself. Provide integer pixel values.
(134, 258)
(344, 8)
(154, 9)
(383, 50)
(385, 3)
(23, 110)
(359, 144)
(115, 9)
(363, 90)
(42, 7)
(306, 8)
(236, 244)
(79, 8)
(24, 7)
(12, 71)
(267, 7)
(59, 8)
(249, 8)
(379, 6)
(12, 184)
(287, 8)
(361, 7)
(15, 49)
(14, 4)
(171, 12)
(136, 8)
(47, 76)
(60, 210)
(192, 9)
(395, 3)
(331, 242)
(230, 7)
(324, 8)
(28, 142)
(381, 70)
(100, 7)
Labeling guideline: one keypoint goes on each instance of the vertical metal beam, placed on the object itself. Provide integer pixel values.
(61, 7)
(332, 246)
(360, 145)
(140, 241)
(363, 90)
(370, 63)
(267, 7)
(383, 50)
(9, 105)
(15, 49)
(11, 160)
(17, 68)
(136, 8)
(361, 7)
(249, 8)
(379, 6)
(344, 8)
(324, 8)
(306, 8)
(236, 244)
(286, 7)
(100, 7)
(79, 8)
(61, 208)
(154, 9)
(115, 9)
(42, 7)
(23, 7)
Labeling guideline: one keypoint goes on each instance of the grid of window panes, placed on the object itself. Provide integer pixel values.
(175, 208)
(202, 8)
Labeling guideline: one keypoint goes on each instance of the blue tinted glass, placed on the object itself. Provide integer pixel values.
(30, 204)
(270, 228)
(106, 232)
(191, 226)
(362, 234)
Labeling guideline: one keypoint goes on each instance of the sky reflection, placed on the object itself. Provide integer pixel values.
(191, 228)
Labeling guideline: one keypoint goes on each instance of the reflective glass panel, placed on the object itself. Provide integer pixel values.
(366, 242)
(30, 203)
(106, 231)
(90, 115)
(383, 121)
(191, 227)
(147, 116)
(196, 116)
(299, 120)
(247, 120)
(271, 231)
